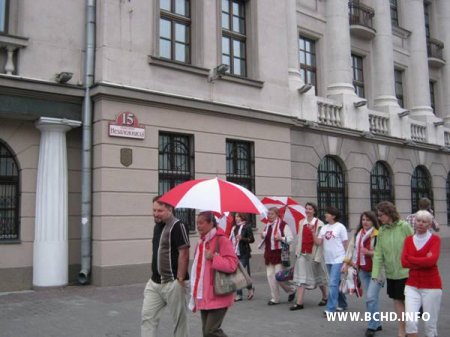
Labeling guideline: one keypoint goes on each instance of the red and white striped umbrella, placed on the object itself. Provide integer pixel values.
(291, 211)
(214, 195)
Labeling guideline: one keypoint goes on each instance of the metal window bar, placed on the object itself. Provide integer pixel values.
(435, 48)
(380, 185)
(175, 167)
(360, 14)
(331, 189)
(9, 196)
(420, 187)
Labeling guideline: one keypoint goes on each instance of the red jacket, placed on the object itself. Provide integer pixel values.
(423, 270)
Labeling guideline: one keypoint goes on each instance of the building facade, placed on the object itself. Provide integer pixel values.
(336, 102)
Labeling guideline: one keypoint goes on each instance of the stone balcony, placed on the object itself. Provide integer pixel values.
(360, 17)
(9, 48)
(435, 53)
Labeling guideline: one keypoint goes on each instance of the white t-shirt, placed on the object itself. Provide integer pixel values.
(333, 237)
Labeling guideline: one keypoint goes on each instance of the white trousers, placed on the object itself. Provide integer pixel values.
(430, 300)
(156, 297)
(271, 270)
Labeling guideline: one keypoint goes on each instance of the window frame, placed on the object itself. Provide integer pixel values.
(248, 180)
(400, 96)
(174, 19)
(306, 68)
(357, 83)
(394, 10)
(432, 86)
(5, 10)
(174, 178)
(14, 180)
(420, 175)
(330, 165)
(233, 35)
(380, 176)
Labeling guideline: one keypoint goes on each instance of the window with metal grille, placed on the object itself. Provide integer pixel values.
(420, 187)
(234, 38)
(175, 30)
(358, 75)
(331, 188)
(176, 165)
(448, 199)
(380, 184)
(398, 75)
(9, 196)
(394, 13)
(4, 16)
(307, 59)
(240, 165)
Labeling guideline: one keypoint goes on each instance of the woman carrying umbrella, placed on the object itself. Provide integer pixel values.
(275, 233)
(213, 252)
(309, 270)
(241, 237)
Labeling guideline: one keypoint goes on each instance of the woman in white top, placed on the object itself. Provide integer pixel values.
(334, 238)
(309, 271)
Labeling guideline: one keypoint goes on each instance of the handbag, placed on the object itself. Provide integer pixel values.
(227, 283)
(285, 255)
(285, 275)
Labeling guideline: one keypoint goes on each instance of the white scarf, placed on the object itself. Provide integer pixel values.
(274, 244)
(233, 239)
(359, 244)
(421, 239)
(198, 269)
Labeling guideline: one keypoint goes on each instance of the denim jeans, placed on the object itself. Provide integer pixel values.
(372, 289)
(245, 261)
(335, 297)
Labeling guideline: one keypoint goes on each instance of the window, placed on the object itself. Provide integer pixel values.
(426, 10)
(4, 16)
(175, 30)
(432, 96)
(234, 52)
(9, 196)
(240, 165)
(398, 75)
(420, 187)
(394, 13)
(331, 187)
(358, 75)
(380, 185)
(176, 165)
(307, 59)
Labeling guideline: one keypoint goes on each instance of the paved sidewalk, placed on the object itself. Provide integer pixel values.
(88, 311)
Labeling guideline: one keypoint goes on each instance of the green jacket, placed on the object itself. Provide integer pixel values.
(389, 248)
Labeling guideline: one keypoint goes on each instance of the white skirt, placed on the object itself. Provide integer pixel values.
(308, 273)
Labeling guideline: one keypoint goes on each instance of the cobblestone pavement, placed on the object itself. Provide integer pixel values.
(88, 311)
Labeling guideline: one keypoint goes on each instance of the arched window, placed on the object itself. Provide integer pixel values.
(9, 195)
(331, 187)
(380, 184)
(420, 187)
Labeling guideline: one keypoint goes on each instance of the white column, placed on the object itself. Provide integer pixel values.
(50, 251)
(418, 69)
(339, 66)
(383, 56)
(443, 18)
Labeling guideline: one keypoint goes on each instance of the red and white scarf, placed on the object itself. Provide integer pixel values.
(360, 239)
(274, 244)
(233, 236)
(198, 269)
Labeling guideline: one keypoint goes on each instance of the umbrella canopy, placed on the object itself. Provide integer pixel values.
(291, 211)
(214, 195)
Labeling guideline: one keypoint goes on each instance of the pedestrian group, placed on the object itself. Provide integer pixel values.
(383, 251)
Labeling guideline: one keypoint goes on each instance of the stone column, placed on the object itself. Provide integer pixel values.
(418, 69)
(50, 251)
(383, 56)
(443, 19)
(295, 80)
(338, 56)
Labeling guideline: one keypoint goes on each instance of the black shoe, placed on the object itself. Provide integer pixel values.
(370, 333)
(296, 307)
(291, 297)
(323, 302)
(272, 303)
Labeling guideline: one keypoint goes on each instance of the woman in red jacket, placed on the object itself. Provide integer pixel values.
(424, 286)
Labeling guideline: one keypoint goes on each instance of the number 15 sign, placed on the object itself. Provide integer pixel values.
(127, 126)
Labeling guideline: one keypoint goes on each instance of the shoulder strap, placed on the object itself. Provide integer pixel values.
(217, 244)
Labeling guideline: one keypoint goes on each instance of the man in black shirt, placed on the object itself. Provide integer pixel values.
(170, 262)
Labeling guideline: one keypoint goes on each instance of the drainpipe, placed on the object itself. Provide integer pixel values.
(86, 155)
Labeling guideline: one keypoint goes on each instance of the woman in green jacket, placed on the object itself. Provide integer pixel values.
(388, 251)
